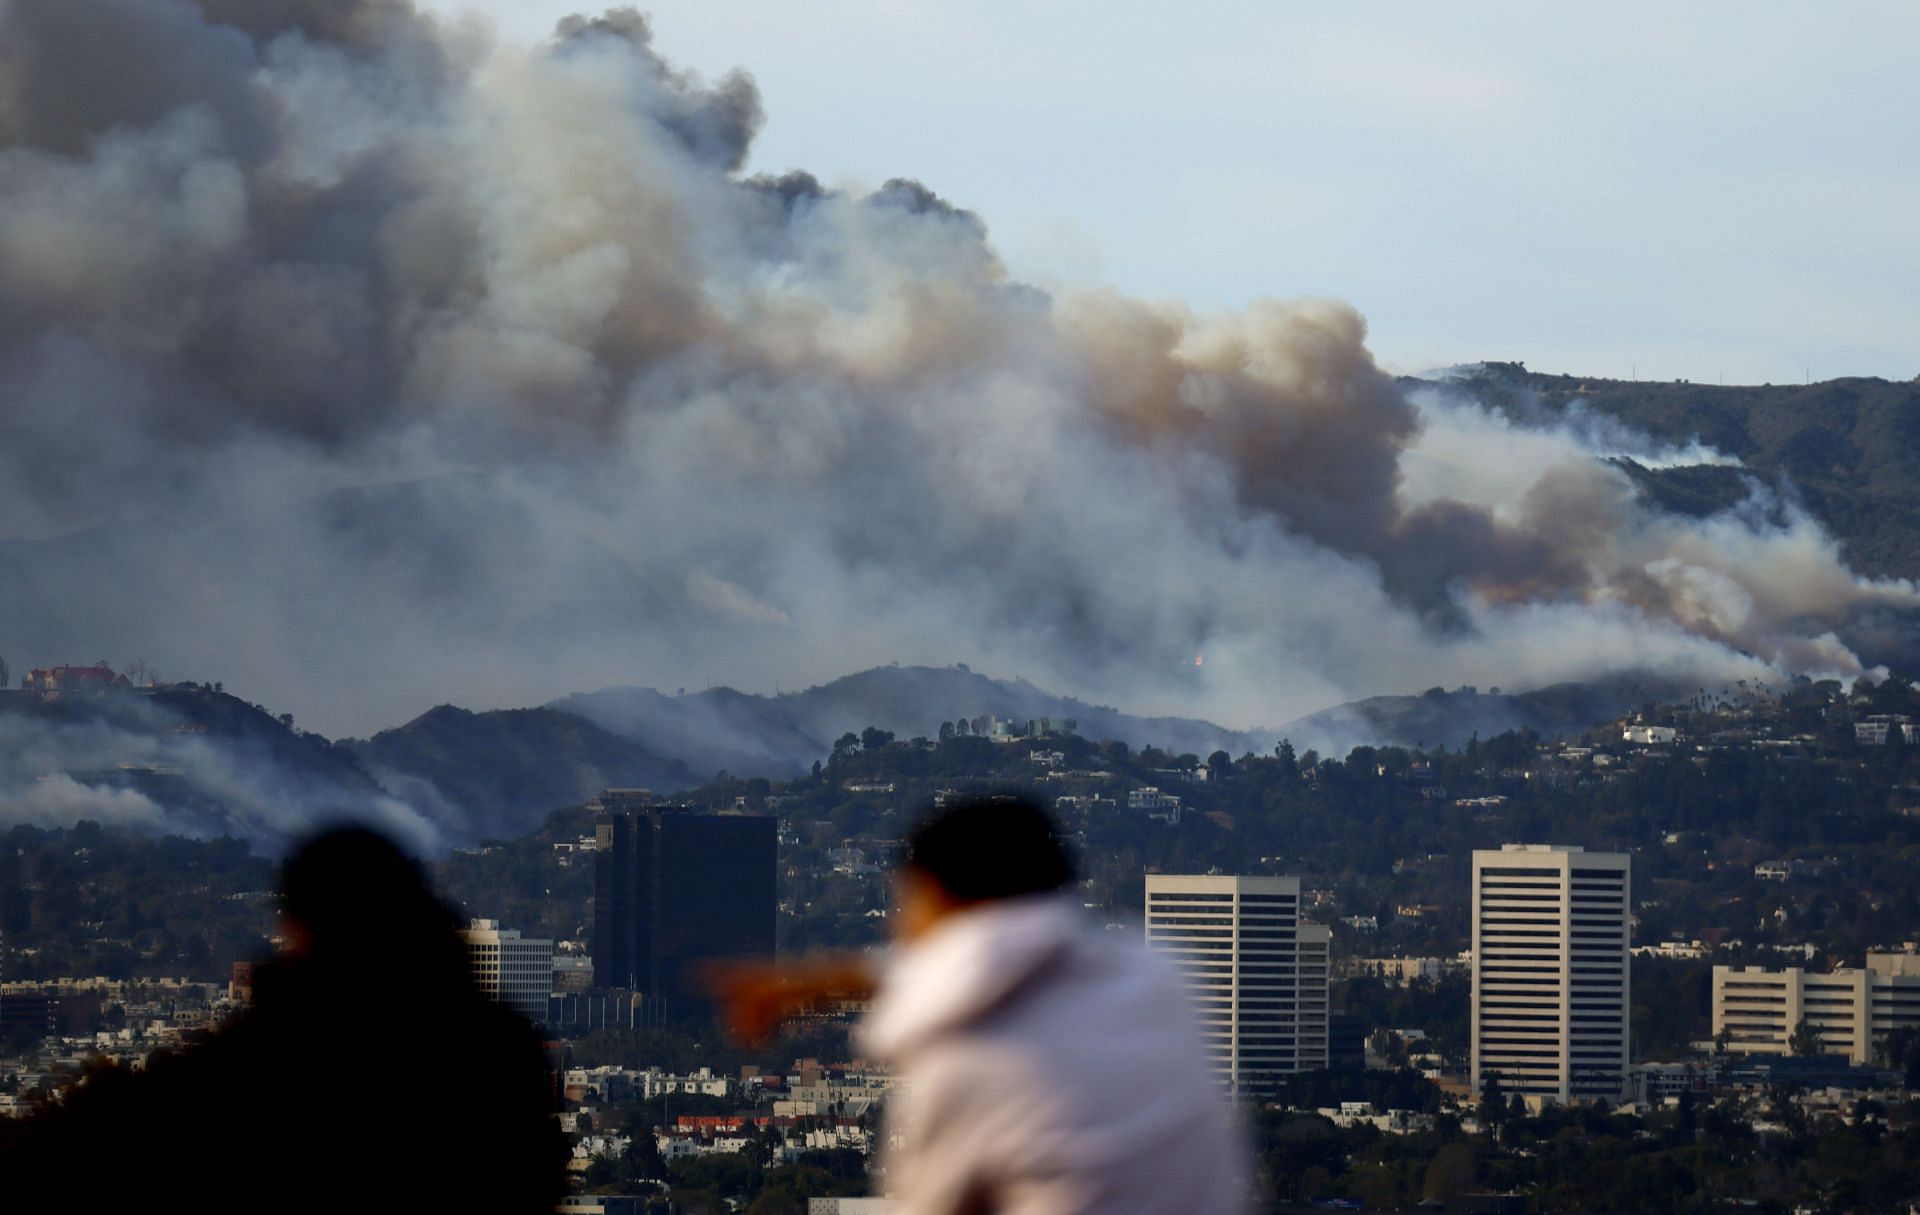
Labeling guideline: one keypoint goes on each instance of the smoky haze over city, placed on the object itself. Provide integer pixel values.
(369, 361)
(1057, 609)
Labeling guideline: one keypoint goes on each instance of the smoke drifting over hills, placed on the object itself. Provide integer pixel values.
(198, 764)
(376, 365)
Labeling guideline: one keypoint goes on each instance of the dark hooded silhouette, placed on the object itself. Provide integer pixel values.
(369, 1074)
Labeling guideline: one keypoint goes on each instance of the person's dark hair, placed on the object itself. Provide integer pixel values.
(990, 848)
(357, 895)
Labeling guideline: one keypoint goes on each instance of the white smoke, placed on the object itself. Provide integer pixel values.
(130, 766)
(390, 367)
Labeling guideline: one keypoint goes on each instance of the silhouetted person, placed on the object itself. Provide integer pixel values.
(368, 1075)
(1049, 1068)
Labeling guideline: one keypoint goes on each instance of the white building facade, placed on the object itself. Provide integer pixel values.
(515, 970)
(1257, 974)
(1156, 804)
(1849, 1012)
(1550, 972)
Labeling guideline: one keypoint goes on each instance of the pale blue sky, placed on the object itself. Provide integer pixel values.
(1697, 190)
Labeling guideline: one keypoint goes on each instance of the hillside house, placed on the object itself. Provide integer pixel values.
(52, 683)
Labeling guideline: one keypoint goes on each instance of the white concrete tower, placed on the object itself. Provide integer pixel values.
(1258, 975)
(1550, 974)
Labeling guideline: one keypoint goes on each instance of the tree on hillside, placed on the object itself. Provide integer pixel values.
(642, 1161)
(1493, 1107)
(843, 747)
(1805, 1039)
(1450, 1173)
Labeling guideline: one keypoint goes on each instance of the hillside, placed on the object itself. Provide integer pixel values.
(1439, 718)
(190, 760)
(1848, 448)
(497, 774)
(778, 736)
(194, 761)
(185, 759)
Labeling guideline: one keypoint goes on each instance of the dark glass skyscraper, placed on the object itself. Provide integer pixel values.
(673, 888)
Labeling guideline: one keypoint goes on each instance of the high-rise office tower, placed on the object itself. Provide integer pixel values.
(1550, 971)
(673, 888)
(1258, 976)
(515, 970)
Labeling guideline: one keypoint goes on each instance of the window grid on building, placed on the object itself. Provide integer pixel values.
(1549, 1016)
(1256, 972)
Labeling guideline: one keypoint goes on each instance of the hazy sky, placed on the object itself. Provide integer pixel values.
(1699, 190)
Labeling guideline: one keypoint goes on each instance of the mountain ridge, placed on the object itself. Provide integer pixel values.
(1847, 448)
(193, 759)
(750, 734)
(500, 770)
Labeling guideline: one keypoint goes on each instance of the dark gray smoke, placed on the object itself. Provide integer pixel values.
(365, 365)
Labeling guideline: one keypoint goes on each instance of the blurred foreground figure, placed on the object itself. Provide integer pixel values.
(1048, 1068)
(368, 1075)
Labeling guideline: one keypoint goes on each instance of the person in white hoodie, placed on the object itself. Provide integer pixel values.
(1047, 1067)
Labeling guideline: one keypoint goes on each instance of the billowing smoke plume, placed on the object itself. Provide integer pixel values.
(365, 364)
(132, 766)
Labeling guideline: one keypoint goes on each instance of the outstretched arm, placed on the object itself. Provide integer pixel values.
(757, 997)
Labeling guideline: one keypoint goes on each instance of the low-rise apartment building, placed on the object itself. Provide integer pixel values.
(1848, 1012)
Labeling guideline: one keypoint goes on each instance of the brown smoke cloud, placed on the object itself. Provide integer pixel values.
(389, 366)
